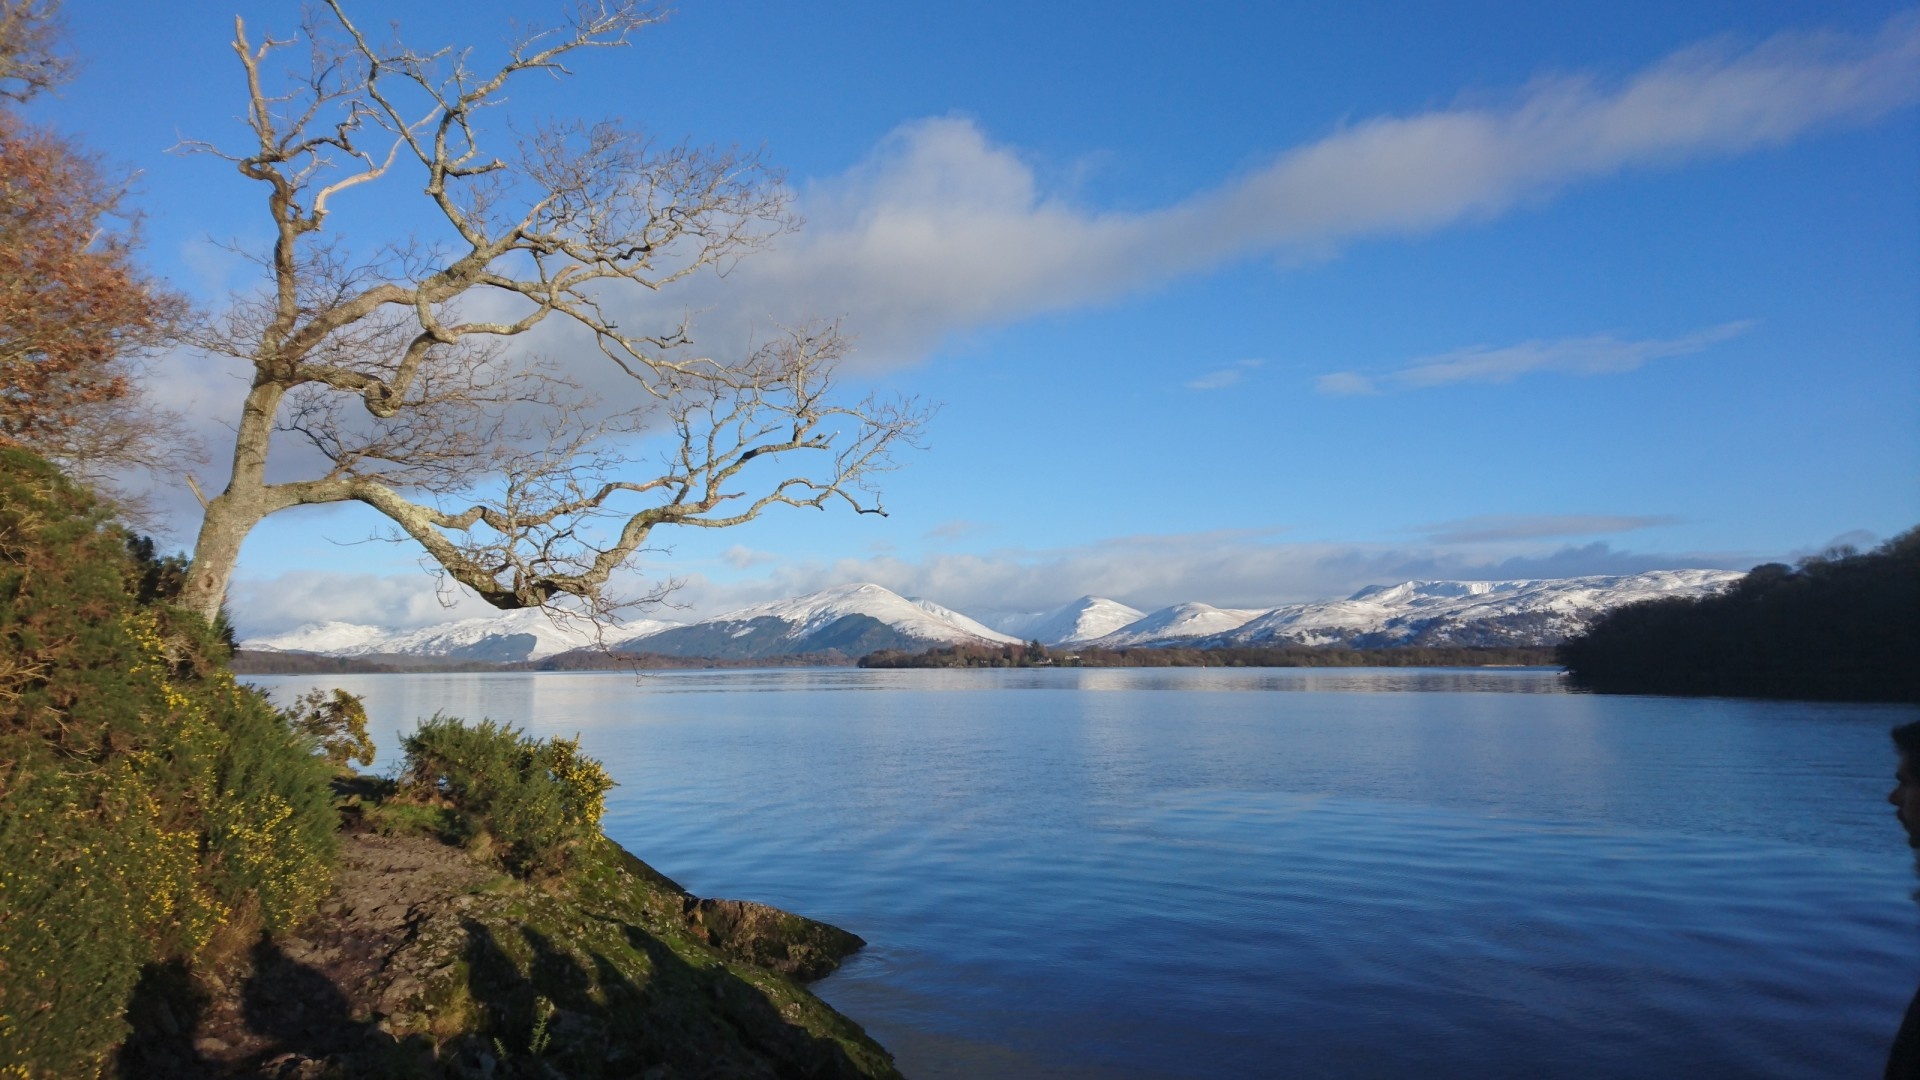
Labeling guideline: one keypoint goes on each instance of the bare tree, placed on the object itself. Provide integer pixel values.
(404, 367)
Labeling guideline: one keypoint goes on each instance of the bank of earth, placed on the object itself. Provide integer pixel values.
(426, 961)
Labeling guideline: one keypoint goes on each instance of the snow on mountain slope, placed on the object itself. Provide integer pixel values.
(526, 634)
(1083, 620)
(853, 619)
(815, 611)
(332, 638)
(1535, 612)
(465, 635)
(1176, 625)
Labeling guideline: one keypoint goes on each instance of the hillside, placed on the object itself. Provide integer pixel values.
(1084, 619)
(838, 624)
(427, 961)
(506, 637)
(850, 619)
(1483, 614)
(1843, 626)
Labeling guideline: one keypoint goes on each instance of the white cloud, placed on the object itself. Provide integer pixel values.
(741, 557)
(1494, 528)
(1236, 568)
(264, 606)
(941, 230)
(1228, 569)
(954, 530)
(1224, 377)
(1600, 354)
(1345, 384)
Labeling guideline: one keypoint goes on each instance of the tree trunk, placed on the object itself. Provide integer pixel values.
(232, 514)
(222, 532)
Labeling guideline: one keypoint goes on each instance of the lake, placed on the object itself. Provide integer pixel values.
(1118, 873)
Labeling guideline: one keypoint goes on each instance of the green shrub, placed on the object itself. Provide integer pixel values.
(145, 798)
(337, 722)
(530, 800)
(272, 829)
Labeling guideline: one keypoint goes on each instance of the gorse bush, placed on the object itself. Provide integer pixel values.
(337, 722)
(146, 799)
(531, 801)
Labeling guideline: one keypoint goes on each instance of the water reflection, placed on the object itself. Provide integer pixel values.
(1328, 680)
(1202, 872)
(1302, 680)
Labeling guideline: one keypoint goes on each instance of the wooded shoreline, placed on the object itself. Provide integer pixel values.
(252, 662)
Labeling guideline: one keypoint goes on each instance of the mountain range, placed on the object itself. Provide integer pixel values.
(849, 619)
(527, 634)
(852, 620)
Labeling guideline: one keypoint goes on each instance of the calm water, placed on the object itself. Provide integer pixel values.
(1194, 873)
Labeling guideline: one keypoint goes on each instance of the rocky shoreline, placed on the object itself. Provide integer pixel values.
(426, 961)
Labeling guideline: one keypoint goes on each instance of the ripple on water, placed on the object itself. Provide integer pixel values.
(1227, 873)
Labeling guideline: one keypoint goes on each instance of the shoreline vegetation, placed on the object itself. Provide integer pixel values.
(1034, 654)
(194, 882)
(250, 662)
(1840, 626)
(247, 662)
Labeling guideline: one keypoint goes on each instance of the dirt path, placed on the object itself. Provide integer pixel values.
(426, 961)
(293, 1005)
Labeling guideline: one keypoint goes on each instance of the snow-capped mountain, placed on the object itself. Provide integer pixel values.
(857, 619)
(1537, 612)
(1179, 624)
(850, 619)
(332, 638)
(1083, 620)
(527, 634)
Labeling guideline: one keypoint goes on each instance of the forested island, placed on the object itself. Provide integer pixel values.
(1842, 626)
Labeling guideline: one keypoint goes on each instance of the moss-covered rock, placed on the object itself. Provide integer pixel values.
(427, 961)
(770, 938)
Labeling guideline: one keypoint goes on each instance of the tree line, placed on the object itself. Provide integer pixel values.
(1033, 654)
(1843, 625)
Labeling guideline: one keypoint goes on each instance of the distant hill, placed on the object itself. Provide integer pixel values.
(1084, 619)
(1181, 623)
(854, 620)
(1435, 613)
(850, 619)
(528, 634)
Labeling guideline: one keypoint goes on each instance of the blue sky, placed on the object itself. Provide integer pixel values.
(1234, 302)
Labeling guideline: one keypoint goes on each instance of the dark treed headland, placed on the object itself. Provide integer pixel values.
(1843, 626)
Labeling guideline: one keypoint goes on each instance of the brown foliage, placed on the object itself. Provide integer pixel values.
(30, 59)
(72, 304)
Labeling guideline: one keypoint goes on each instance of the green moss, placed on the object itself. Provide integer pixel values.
(413, 819)
(609, 948)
